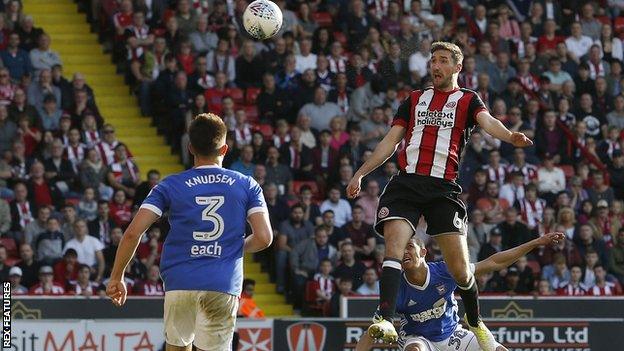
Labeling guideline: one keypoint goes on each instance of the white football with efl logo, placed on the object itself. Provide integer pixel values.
(262, 19)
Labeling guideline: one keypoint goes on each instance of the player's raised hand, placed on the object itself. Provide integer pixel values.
(550, 239)
(353, 189)
(520, 140)
(117, 292)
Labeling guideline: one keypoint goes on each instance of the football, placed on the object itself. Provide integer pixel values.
(262, 19)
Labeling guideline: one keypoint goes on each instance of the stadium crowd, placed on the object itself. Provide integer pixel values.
(305, 109)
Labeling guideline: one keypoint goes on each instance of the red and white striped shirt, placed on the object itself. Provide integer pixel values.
(75, 154)
(529, 171)
(148, 288)
(337, 65)
(532, 213)
(496, 174)
(608, 289)
(438, 125)
(76, 289)
(55, 289)
(572, 290)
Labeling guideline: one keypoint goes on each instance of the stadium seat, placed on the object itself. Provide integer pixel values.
(237, 95)
(297, 184)
(251, 94)
(252, 114)
(10, 245)
(323, 19)
(266, 130)
(604, 19)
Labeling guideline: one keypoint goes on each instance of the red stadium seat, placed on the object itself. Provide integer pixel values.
(251, 94)
(266, 130)
(323, 19)
(297, 184)
(236, 94)
(11, 247)
(618, 25)
(252, 114)
(604, 19)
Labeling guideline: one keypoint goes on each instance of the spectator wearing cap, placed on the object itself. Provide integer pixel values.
(577, 43)
(46, 285)
(15, 278)
(494, 244)
(550, 179)
(600, 190)
(616, 257)
(616, 173)
(16, 60)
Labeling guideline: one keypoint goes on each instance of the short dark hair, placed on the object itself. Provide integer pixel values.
(207, 133)
(248, 281)
(455, 51)
(83, 266)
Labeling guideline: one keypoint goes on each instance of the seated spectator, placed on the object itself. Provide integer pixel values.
(305, 258)
(15, 59)
(323, 282)
(49, 244)
(221, 60)
(22, 208)
(110, 250)
(602, 286)
(34, 227)
(616, 257)
(513, 190)
(15, 278)
(526, 283)
(247, 306)
(574, 287)
(297, 156)
(324, 157)
(66, 270)
(492, 205)
(123, 174)
(93, 174)
(42, 57)
(44, 192)
(311, 211)
(600, 190)
(360, 234)
(42, 87)
(149, 251)
(8, 130)
(88, 248)
(349, 266)
(496, 170)
(277, 206)
(370, 285)
(90, 133)
(369, 200)
(494, 244)
(511, 282)
(68, 220)
(203, 39)
(544, 289)
(19, 107)
(557, 273)
(291, 233)
(477, 233)
(550, 178)
(374, 129)
(46, 285)
(120, 210)
(320, 110)
(532, 208)
(587, 239)
(340, 207)
(477, 188)
(339, 137)
(83, 286)
(75, 150)
(29, 267)
(591, 260)
(7, 89)
(81, 106)
(106, 147)
(345, 288)
(566, 247)
(59, 171)
(153, 178)
(152, 286)
(278, 173)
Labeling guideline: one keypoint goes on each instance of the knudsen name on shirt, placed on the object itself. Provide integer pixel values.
(209, 179)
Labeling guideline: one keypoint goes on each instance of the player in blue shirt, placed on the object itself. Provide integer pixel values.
(426, 304)
(202, 257)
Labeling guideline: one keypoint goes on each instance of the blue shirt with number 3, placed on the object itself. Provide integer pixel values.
(208, 209)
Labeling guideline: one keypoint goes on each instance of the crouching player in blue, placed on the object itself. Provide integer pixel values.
(202, 258)
(427, 307)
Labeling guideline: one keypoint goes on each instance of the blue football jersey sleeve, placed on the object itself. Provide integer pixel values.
(256, 202)
(158, 199)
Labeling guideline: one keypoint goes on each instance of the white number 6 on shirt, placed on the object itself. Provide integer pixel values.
(212, 203)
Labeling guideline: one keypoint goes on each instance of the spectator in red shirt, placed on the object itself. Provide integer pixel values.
(66, 270)
(44, 194)
(46, 285)
(214, 96)
(29, 135)
(149, 251)
(120, 210)
(152, 286)
(547, 43)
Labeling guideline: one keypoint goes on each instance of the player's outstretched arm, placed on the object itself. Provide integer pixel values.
(383, 151)
(365, 343)
(497, 129)
(261, 233)
(506, 258)
(116, 288)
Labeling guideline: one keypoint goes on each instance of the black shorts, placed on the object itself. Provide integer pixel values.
(408, 196)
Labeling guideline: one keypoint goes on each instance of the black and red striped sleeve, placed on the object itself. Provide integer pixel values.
(475, 106)
(402, 116)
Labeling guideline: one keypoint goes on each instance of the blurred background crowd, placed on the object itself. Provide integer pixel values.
(305, 109)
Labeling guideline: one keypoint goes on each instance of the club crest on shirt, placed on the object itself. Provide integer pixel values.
(450, 104)
(383, 212)
(441, 289)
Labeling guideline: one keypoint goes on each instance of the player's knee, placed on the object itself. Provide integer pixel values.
(461, 274)
(415, 347)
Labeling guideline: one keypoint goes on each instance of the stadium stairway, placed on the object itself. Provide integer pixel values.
(80, 52)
